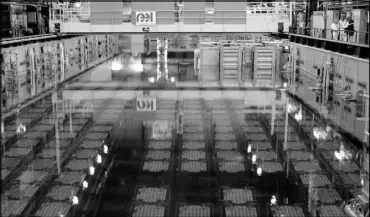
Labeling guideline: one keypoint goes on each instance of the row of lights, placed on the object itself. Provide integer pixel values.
(85, 183)
(152, 79)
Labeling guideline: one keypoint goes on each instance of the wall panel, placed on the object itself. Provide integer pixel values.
(165, 17)
(345, 66)
(36, 67)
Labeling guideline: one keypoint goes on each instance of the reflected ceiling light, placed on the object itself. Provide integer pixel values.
(105, 149)
(285, 85)
(362, 181)
(151, 79)
(254, 159)
(85, 184)
(116, 66)
(172, 79)
(98, 159)
(92, 170)
(138, 67)
(259, 171)
(249, 149)
(77, 4)
(75, 200)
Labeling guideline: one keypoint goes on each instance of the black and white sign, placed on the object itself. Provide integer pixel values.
(145, 18)
(146, 103)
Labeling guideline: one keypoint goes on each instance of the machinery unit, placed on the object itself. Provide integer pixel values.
(247, 65)
(264, 64)
(229, 62)
(11, 86)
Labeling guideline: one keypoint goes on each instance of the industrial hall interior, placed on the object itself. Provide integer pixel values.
(184, 108)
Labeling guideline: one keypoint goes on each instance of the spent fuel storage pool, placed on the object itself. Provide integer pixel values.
(90, 149)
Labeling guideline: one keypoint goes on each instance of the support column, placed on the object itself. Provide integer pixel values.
(286, 125)
(273, 117)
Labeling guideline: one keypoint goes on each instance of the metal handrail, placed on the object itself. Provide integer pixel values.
(327, 33)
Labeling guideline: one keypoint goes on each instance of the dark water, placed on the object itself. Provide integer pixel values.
(200, 188)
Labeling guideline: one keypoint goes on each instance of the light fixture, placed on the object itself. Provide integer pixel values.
(172, 79)
(74, 200)
(116, 66)
(98, 159)
(85, 184)
(273, 200)
(254, 159)
(92, 170)
(285, 85)
(362, 181)
(249, 149)
(138, 67)
(259, 171)
(151, 79)
(105, 149)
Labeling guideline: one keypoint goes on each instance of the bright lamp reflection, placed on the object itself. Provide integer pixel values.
(172, 79)
(138, 67)
(259, 171)
(254, 159)
(116, 66)
(77, 4)
(298, 116)
(85, 184)
(92, 170)
(273, 200)
(291, 108)
(75, 200)
(98, 159)
(249, 149)
(105, 149)
(320, 134)
(21, 129)
(151, 79)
